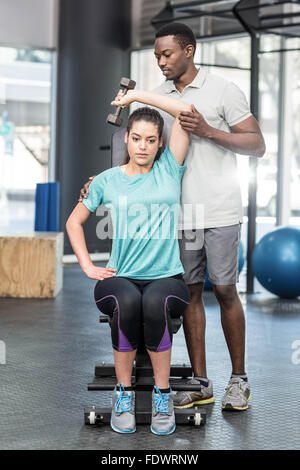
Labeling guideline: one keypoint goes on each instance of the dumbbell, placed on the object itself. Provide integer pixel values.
(126, 84)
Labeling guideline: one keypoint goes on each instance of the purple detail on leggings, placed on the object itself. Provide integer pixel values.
(124, 345)
(175, 297)
(165, 343)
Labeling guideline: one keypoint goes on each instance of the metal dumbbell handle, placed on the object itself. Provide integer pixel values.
(126, 84)
(119, 109)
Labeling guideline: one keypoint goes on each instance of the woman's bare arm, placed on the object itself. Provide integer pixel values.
(179, 138)
(74, 227)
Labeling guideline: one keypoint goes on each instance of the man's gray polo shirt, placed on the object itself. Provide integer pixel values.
(211, 195)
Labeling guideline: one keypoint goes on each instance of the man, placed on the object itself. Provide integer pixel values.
(221, 124)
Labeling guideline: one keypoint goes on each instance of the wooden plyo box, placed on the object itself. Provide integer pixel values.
(31, 264)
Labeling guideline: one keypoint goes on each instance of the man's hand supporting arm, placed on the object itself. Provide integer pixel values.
(246, 137)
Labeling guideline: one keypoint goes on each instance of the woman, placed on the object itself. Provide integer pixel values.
(142, 286)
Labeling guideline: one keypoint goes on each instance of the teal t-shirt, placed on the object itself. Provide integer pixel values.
(144, 211)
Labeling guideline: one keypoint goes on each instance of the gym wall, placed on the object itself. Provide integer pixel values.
(93, 54)
(30, 23)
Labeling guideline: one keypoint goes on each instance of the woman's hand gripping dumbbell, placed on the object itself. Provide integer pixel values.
(125, 85)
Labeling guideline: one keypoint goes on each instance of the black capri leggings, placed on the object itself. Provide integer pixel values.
(146, 306)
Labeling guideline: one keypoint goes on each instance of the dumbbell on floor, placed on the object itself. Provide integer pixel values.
(125, 84)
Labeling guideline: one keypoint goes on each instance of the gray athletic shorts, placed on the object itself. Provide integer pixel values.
(216, 249)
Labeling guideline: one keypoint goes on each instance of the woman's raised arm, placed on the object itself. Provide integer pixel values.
(179, 138)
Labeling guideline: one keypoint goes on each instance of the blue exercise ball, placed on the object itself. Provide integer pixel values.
(276, 262)
(208, 284)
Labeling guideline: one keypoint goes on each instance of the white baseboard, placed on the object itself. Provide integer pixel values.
(70, 259)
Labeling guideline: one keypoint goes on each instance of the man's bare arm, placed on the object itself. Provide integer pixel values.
(246, 137)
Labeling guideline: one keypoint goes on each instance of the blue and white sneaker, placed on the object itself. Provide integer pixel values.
(123, 410)
(163, 416)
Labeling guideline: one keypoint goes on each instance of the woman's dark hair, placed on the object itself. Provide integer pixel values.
(148, 115)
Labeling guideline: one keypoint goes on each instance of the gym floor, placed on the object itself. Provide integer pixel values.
(52, 346)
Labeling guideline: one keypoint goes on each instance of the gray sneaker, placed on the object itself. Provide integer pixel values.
(237, 395)
(163, 416)
(188, 399)
(122, 413)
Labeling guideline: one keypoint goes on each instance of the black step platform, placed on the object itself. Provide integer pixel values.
(190, 416)
(108, 370)
(143, 384)
(143, 381)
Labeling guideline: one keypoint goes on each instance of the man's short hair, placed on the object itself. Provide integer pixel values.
(183, 34)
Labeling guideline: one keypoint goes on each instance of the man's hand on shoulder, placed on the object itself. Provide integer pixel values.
(194, 122)
(85, 190)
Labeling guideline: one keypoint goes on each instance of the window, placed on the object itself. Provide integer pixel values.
(25, 99)
(293, 98)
